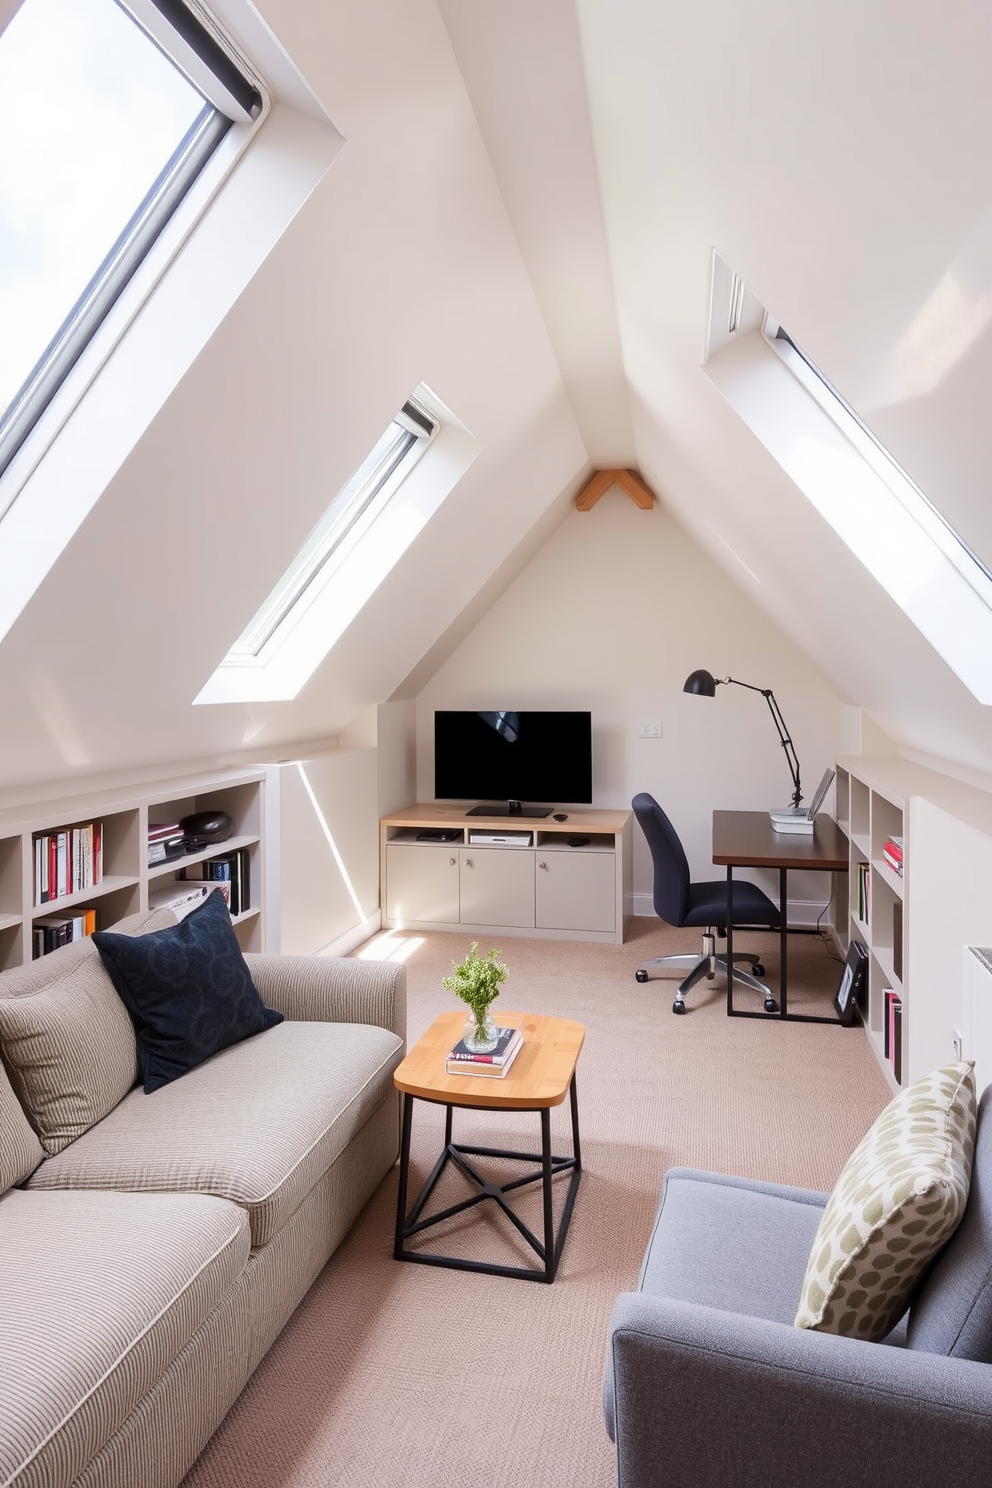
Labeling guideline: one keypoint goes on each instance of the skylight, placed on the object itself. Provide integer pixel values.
(853, 481)
(349, 515)
(366, 529)
(101, 135)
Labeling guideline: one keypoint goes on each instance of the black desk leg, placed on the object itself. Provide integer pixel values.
(783, 976)
(730, 940)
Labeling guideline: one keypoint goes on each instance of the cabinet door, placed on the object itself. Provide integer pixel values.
(422, 882)
(497, 886)
(576, 890)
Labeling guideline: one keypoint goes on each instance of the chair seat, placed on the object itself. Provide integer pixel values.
(708, 905)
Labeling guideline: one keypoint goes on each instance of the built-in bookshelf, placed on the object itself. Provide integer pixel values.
(121, 817)
(880, 799)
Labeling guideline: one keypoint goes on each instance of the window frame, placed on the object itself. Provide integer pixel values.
(353, 511)
(223, 112)
(890, 472)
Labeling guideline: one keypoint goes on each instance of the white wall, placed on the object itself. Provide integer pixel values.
(328, 852)
(612, 614)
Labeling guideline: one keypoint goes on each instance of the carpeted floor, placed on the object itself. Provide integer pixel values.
(405, 1376)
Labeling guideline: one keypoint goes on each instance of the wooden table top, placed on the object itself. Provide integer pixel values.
(746, 839)
(539, 1076)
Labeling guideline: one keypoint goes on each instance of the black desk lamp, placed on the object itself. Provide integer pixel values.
(704, 684)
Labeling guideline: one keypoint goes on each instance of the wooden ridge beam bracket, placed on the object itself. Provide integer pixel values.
(628, 481)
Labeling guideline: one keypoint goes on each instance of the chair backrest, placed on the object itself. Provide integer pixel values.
(952, 1313)
(671, 866)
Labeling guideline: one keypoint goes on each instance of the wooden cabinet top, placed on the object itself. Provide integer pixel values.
(581, 820)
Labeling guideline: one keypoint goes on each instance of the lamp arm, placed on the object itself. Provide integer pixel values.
(792, 759)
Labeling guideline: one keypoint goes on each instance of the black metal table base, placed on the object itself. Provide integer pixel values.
(781, 1013)
(547, 1165)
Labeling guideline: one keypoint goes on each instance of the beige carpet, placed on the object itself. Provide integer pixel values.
(406, 1376)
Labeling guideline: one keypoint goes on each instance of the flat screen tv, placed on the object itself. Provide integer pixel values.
(514, 763)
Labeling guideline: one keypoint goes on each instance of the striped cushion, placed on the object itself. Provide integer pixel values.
(68, 1042)
(101, 1293)
(20, 1150)
(258, 1123)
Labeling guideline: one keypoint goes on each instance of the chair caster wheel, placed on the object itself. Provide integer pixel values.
(678, 1006)
(711, 976)
(771, 1006)
(640, 975)
(758, 969)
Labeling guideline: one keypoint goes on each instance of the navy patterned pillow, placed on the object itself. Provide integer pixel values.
(188, 990)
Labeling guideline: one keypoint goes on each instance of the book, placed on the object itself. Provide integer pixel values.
(179, 897)
(506, 1041)
(897, 938)
(230, 870)
(477, 1067)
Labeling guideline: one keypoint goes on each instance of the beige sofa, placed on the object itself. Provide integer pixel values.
(152, 1247)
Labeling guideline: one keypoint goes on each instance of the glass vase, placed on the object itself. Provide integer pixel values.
(480, 1033)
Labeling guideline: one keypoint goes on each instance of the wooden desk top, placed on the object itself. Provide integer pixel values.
(539, 1076)
(745, 839)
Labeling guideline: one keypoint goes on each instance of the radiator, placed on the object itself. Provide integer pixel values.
(976, 1033)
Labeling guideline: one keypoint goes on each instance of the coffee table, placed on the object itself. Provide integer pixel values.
(540, 1077)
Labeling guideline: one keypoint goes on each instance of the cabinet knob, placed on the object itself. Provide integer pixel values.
(542, 865)
(468, 862)
(452, 861)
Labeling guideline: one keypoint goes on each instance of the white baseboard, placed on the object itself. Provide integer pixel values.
(353, 938)
(803, 913)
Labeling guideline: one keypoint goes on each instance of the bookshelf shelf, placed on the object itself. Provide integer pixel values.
(111, 883)
(890, 796)
(124, 814)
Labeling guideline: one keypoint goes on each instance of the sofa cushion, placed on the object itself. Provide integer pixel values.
(101, 1292)
(258, 1123)
(66, 1037)
(20, 1150)
(952, 1312)
(899, 1199)
(188, 990)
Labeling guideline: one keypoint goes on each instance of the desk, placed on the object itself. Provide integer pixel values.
(745, 839)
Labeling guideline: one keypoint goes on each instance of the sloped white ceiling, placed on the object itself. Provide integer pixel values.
(836, 157)
(522, 216)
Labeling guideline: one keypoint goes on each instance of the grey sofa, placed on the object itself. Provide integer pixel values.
(709, 1384)
(151, 1256)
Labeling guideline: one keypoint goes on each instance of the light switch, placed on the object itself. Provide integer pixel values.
(650, 728)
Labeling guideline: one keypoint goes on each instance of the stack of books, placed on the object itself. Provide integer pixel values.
(67, 861)
(166, 840)
(229, 871)
(864, 893)
(892, 853)
(51, 931)
(462, 1061)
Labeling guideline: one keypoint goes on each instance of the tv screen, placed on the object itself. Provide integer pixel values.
(502, 757)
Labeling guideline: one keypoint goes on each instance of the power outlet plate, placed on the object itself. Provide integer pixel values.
(650, 728)
(957, 1043)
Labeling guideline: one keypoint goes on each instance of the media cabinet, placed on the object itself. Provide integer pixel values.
(544, 888)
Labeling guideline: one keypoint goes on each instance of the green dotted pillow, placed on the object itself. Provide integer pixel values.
(899, 1199)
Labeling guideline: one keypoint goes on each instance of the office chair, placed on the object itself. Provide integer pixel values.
(679, 902)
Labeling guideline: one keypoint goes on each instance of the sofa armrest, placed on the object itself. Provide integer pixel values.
(708, 1398)
(333, 989)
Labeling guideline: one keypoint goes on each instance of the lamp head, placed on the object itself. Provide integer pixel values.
(703, 684)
